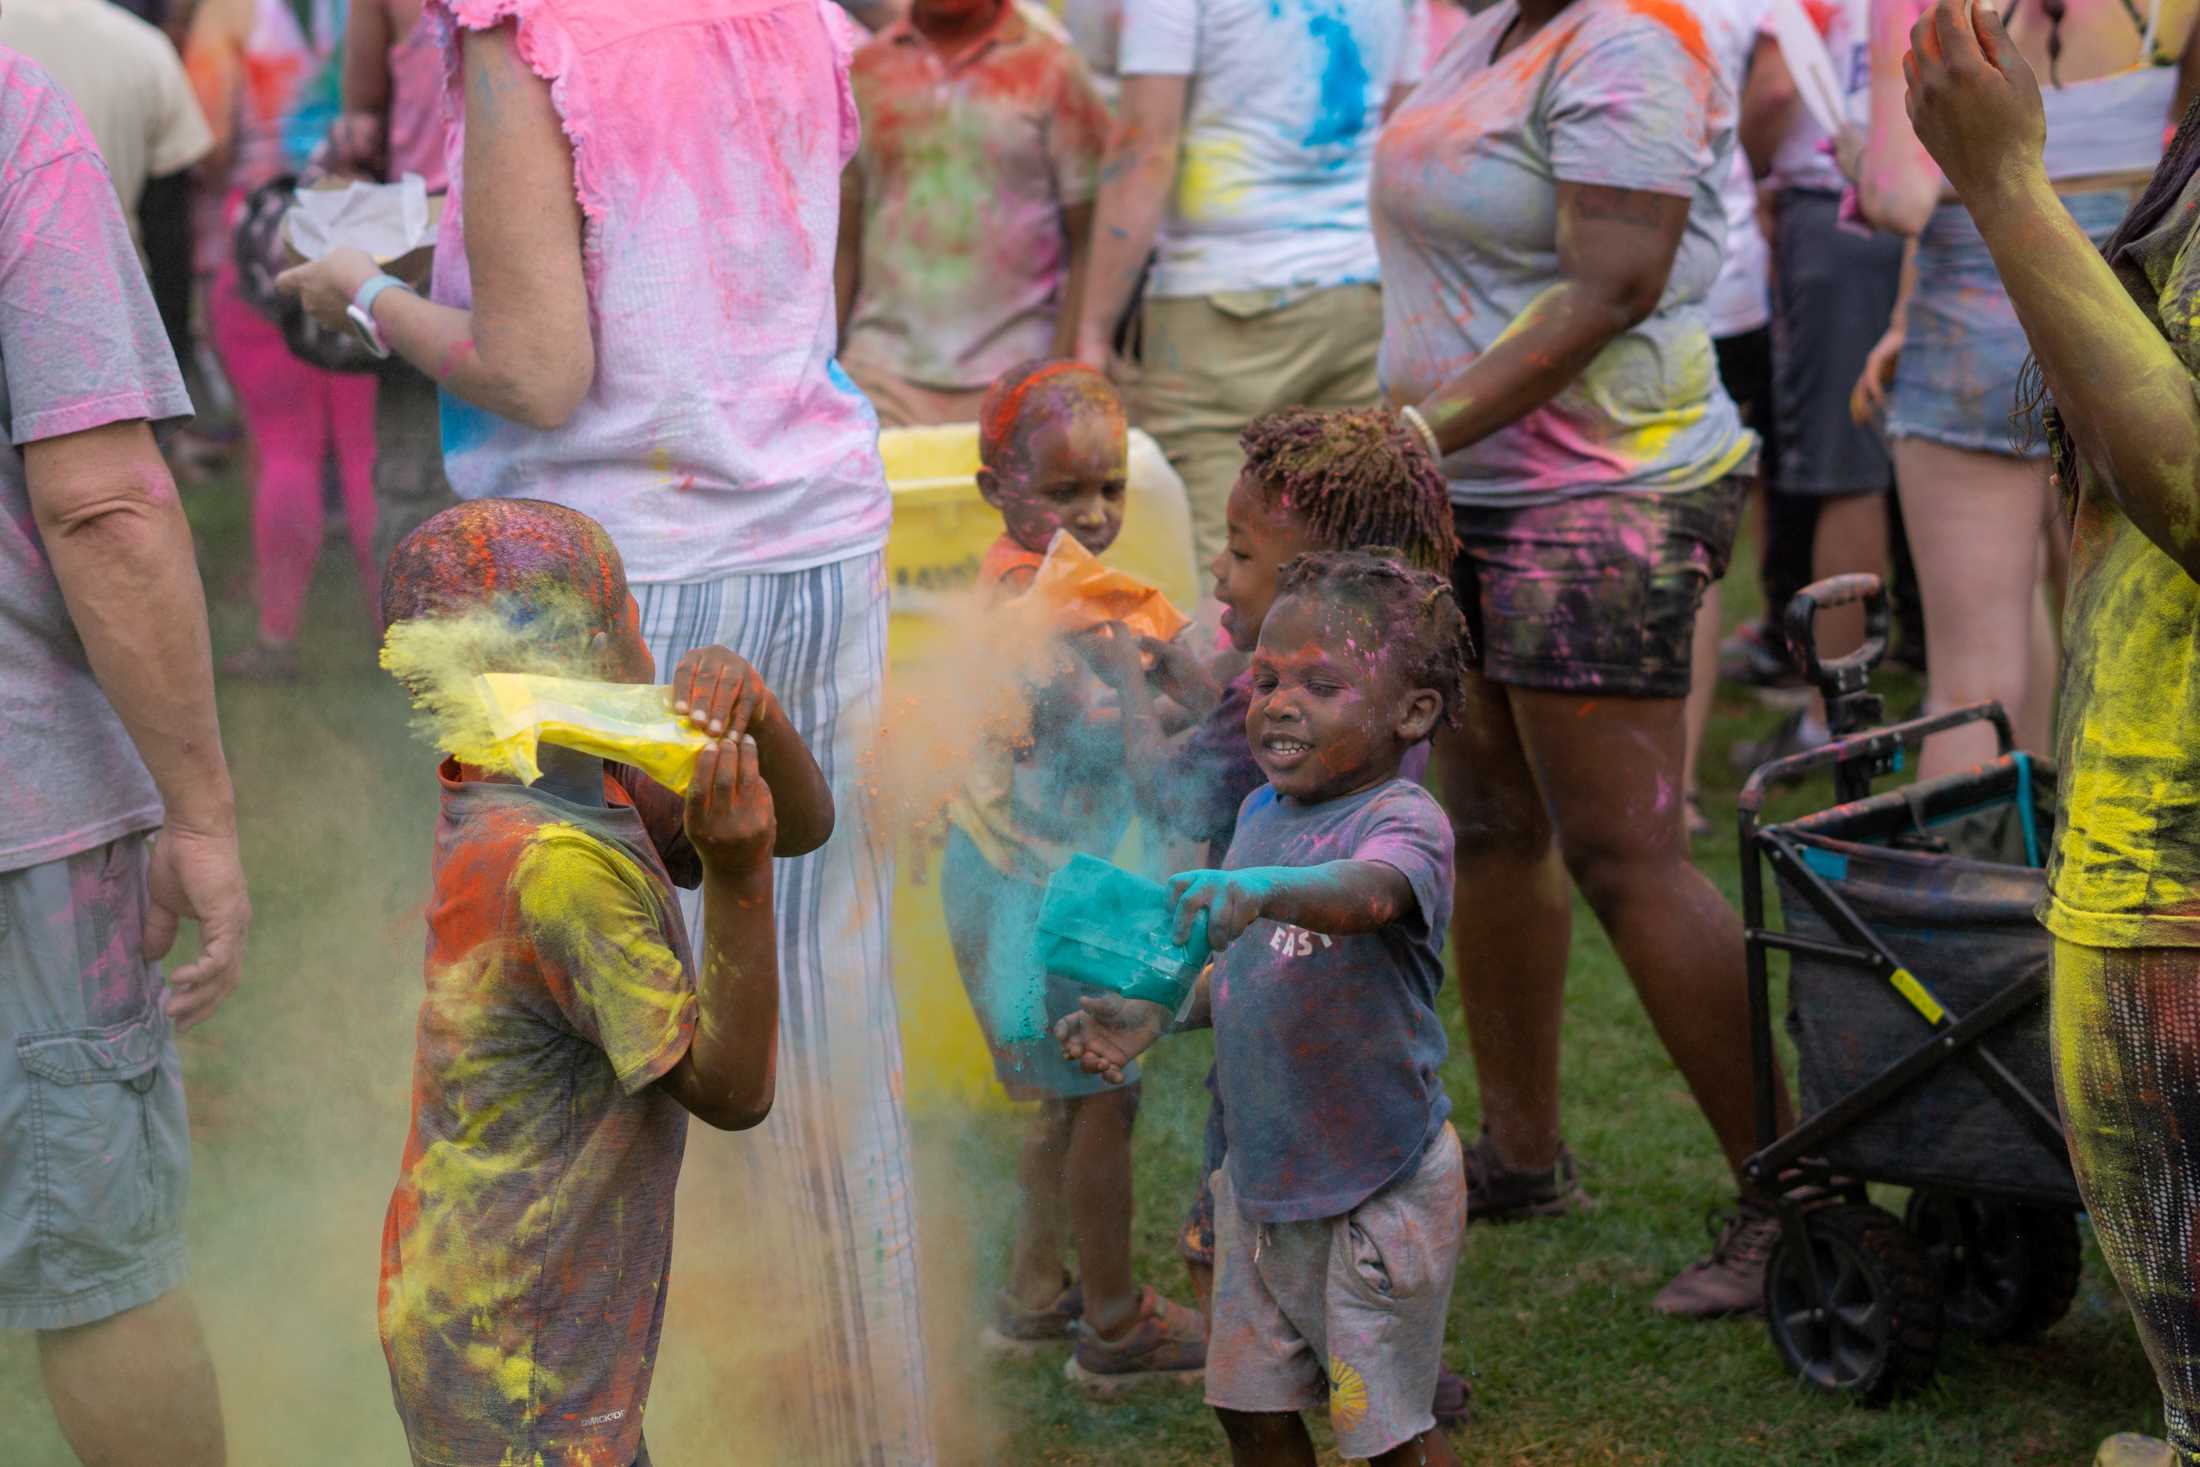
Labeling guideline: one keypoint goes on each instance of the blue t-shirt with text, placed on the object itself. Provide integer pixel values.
(1328, 1049)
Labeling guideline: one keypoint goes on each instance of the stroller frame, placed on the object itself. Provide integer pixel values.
(1828, 1226)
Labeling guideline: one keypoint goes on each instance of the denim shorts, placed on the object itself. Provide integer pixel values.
(991, 919)
(1594, 594)
(1963, 351)
(95, 1157)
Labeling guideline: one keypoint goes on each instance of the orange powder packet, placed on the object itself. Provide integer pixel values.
(1083, 594)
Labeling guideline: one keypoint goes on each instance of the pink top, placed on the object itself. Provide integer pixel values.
(416, 106)
(720, 436)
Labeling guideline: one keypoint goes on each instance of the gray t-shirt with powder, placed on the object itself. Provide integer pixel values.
(1622, 94)
(80, 347)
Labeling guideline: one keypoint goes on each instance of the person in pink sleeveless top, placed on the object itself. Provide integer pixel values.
(392, 125)
(633, 315)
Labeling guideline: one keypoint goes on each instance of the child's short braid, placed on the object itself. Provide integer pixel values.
(1355, 478)
(1417, 612)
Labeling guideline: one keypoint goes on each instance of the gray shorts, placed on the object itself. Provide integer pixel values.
(95, 1159)
(1348, 1310)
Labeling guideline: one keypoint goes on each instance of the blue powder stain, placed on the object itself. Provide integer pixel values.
(1342, 109)
(464, 425)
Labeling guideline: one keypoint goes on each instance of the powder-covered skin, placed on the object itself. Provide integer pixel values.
(525, 1252)
(1286, 98)
(2125, 867)
(720, 436)
(81, 346)
(966, 169)
(1617, 93)
(1327, 1048)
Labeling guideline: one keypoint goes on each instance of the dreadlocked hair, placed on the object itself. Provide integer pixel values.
(1416, 612)
(2179, 163)
(1353, 478)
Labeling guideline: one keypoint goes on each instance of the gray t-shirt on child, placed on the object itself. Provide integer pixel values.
(1328, 1050)
(1621, 94)
(80, 347)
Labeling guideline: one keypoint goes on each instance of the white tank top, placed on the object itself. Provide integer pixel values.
(2111, 124)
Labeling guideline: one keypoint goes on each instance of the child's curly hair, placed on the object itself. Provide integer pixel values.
(1416, 611)
(1354, 478)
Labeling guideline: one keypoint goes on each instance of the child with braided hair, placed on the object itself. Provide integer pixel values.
(1341, 1202)
(1312, 481)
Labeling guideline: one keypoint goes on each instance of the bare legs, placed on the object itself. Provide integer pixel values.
(1975, 529)
(1279, 1439)
(1075, 1171)
(136, 1390)
(1535, 777)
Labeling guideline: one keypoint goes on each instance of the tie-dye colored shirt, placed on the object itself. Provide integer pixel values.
(525, 1253)
(1329, 1050)
(966, 168)
(1619, 93)
(2124, 870)
(719, 437)
(1279, 128)
(80, 347)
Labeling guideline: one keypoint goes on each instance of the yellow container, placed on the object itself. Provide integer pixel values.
(941, 530)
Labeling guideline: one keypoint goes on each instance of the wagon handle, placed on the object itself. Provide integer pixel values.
(1845, 676)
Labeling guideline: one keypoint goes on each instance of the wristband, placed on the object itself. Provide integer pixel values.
(361, 310)
(1422, 431)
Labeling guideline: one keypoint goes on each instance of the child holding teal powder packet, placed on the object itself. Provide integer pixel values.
(1342, 1197)
(1055, 448)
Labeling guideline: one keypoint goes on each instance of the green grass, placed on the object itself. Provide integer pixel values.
(299, 1089)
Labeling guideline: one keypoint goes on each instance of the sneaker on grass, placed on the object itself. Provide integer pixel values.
(1731, 1280)
(1497, 1193)
(1165, 1345)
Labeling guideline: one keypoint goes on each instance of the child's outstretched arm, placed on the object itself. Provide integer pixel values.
(725, 697)
(730, 1072)
(1339, 898)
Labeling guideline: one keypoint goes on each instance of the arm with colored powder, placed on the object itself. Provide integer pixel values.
(525, 349)
(1134, 186)
(729, 1074)
(1114, 655)
(1337, 897)
(213, 57)
(1769, 106)
(358, 137)
(1897, 185)
(1077, 226)
(1615, 250)
(1868, 399)
(2127, 399)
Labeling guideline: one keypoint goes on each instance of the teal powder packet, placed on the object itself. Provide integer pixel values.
(1102, 928)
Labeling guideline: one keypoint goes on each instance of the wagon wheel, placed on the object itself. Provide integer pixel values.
(1870, 1327)
(2006, 1272)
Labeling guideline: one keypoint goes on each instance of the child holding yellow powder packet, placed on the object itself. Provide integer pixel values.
(1055, 448)
(567, 1034)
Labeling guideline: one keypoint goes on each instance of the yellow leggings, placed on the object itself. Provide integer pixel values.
(2126, 1038)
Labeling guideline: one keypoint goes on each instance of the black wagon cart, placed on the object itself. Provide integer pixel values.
(1917, 984)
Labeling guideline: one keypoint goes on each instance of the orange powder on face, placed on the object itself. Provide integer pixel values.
(1001, 415)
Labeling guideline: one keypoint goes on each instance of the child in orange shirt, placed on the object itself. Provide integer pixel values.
(1055, 447)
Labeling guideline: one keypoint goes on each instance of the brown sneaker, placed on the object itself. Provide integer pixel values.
(2129, 1449)
(1167, 1344)
(1732, 1279)
(1453, 1407)
(1497, 1193)
(1016, 1330)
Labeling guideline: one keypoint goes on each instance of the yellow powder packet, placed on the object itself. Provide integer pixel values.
(627, 723)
